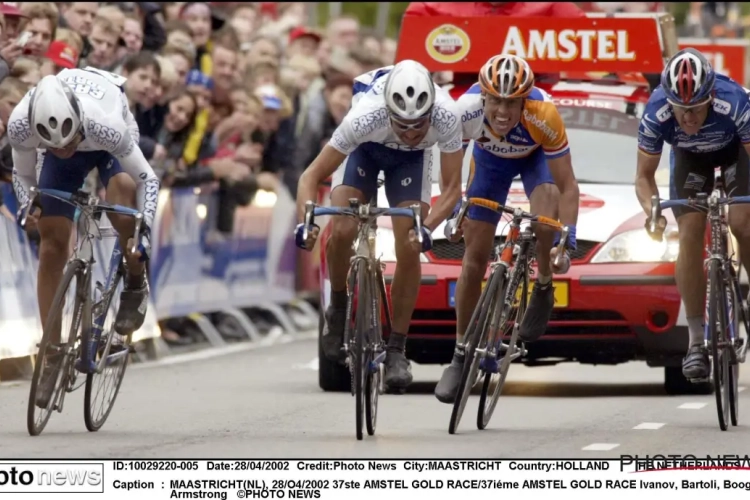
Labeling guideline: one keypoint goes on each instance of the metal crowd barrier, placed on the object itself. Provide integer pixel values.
(196, 272)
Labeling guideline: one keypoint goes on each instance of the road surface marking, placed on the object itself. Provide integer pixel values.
(691, 406)
(311, 365)
(650, 426)
(601, 447)
(210, 353)
(740, 389)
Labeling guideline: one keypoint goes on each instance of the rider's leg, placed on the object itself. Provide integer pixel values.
(347, 182)
(121, 190)
(544, 199)
(55, 230)
(485, 181)
(691, 174)
(407, 182)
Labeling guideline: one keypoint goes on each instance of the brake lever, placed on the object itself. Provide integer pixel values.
(461, 214)
(418, 221)
(309, 207)
(137, 232)
(561, 246)
(33, 195)
(655, 214)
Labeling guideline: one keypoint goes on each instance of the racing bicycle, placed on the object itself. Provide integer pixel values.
(499, 311)
(86, 346)
(725, 307)
(364, 347)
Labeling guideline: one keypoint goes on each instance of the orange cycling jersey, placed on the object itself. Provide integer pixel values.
(540, 125)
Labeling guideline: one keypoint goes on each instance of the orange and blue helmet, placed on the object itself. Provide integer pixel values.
(506, 76)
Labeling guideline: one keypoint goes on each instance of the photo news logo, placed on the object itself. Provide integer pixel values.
(643, 463)
(34, 477)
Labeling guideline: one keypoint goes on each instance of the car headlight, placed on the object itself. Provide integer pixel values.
(637, 246)
(385, 246)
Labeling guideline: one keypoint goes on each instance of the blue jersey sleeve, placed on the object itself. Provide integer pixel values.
(654, 122)
(742, 117)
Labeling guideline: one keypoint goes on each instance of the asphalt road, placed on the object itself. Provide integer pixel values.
(265, 402)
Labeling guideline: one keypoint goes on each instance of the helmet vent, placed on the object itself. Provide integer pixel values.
(422, 99)
(410, 91)
(67, 127)
(399, 101)
(53, 123)
(42, 130)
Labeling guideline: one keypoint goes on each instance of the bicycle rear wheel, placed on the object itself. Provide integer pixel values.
(477, 340)
(374, 351)
(487, 405)
(737, 318)
(717, 315)
(113, 372)
(73, 270)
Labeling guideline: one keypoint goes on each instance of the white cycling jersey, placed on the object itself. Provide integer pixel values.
(368, 121)
(107, 125)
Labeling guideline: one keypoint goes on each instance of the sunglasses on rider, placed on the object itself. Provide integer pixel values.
(412, 125)
(682, 107)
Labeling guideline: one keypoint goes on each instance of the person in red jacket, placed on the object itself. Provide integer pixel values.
(515, 9)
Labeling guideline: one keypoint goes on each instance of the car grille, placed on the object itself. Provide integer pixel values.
(445, 250)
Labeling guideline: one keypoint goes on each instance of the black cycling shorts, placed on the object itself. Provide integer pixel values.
(693, 173)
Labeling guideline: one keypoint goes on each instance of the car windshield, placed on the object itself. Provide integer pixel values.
(604, 147)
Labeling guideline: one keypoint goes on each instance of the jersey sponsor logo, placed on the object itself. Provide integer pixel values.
(339, 142)
(373, 120)
(151, 197)
(518, 138)
(81, 85)
(103, 135)
(403, 147)
(471, 115)
(453, 145)
(443, 120)
(507, 149)
(664, 113)
(721, 106)
(116, 80)
(540, 124)
(19, 130)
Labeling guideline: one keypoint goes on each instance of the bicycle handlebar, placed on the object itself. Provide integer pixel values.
(516, 212)
(362, 212)
(83, 200)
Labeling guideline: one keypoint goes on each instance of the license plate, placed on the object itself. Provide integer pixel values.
(561, 293)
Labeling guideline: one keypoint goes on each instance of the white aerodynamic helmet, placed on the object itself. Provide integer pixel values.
(409, 90)
(54, 113)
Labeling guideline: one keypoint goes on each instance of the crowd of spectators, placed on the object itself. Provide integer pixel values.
(243, 93)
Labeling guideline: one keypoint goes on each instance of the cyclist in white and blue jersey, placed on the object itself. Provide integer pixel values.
(69, 124)
(705, 117)
(397, 115)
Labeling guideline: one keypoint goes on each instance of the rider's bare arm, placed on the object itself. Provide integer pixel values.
(450, 190)
(561, 169)
(322, 167)
(650, 144)
(645, 179)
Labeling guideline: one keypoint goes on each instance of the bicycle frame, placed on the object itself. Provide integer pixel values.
(90, 213)
(715, 205)
(365, 243)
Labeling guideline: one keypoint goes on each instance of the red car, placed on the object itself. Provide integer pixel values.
(618, 302)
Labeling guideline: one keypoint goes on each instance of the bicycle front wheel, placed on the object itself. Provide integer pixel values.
(717, 327)
(503, 315)
(54, 379)
(375, 352)
(103, 387)
(476, 336)
(359, 363)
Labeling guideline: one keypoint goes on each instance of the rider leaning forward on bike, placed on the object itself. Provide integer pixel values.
(516, 129)
(397, 115)
(705, 117)
(80, 120)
